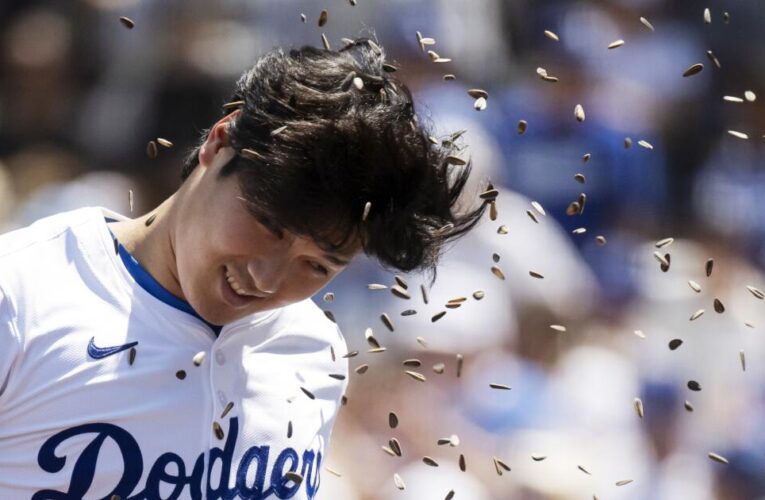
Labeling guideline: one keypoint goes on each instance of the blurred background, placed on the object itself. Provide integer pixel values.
(81, 95)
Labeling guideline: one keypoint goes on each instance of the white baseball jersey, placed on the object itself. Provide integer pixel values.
(79, 420)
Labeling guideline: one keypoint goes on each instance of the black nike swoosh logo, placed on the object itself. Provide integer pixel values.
(102, 352)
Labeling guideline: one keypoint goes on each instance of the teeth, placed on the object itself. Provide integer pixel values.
(235, 285)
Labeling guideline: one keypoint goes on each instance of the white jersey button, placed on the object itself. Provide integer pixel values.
(220, 358)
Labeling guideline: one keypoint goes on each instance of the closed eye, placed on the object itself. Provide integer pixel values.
(319, 268)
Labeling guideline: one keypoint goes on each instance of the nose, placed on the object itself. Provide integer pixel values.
(268, 273)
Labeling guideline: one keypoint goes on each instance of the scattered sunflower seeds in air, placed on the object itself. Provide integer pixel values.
(726, 17)
(437, 316)
(476, 93)
(325, 42)
(218, 430)
(294, 477)
(579, 113)
(645, 144)
(579, 230)
(739, 135)
(742, 358)
(579, 177)
(412, 362)
(233, 104)
(351, 354)
(400, 292)
(329, 297)
(627, 143)
(251, 154)
(463, 465)
(663, 260)
(439, 368)
(522, 126)
(376, 286)
(675, 343)
(398, 482)
(199, 358)
(392, 420)
(638, 407)
(415, 375)
(535, 274)
(558, 328)
(731, 98)
(323, 17)
(694, 286)
(639, 333)
(480, 104)
(697, 314)
(719, 307)
(707, 16)
(307, 393)
(151, 149)
(623, 482)
(688, 406)
(430, 461)
(532, 216)
(131, 356)
(538, 458)
(581, 468)
(600, 240)
(424, 293)
(408, 312)
(750, 96)
(449, 495)
(227, 409)
(496, 271)
(712, 57)
(362, 369)
(130, 199)
(552, 36)
(460, 362)
(538, 207)
(358, 83)
(500, 465)
(289, 429)
(693, 70)
(693, 385)
(615, 44)
(500, 386)
(164, 142)
(503, 229)
(647, 24)
(664, 243)
(303, 17)
(709, 266)
(180, 374)
(478, 294)
(127, 22)
(449, 76)
(718, 458)
(756, 292)
(395, 446)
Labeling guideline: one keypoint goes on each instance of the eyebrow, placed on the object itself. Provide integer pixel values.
(336, 260)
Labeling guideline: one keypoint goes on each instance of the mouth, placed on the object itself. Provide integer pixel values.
(233, 292)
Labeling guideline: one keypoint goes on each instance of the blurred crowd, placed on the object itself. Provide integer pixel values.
(81, 95)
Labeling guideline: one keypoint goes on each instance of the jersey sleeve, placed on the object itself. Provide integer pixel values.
(10, 342)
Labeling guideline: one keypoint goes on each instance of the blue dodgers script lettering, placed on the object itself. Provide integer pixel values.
(169, 477)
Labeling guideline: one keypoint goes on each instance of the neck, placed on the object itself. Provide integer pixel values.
(153, 245)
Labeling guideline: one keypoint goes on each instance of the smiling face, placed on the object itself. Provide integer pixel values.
(221, 245)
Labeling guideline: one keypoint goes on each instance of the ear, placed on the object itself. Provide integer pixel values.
(217, 142)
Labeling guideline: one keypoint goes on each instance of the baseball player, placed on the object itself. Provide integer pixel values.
(178, 354)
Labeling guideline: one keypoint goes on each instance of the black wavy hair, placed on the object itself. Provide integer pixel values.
(314, 149)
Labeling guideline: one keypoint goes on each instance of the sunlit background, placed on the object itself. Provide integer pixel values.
(81, 95)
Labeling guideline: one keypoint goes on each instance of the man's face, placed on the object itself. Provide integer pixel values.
(220, 245)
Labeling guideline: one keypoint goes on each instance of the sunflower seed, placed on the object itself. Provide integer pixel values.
(371, 340)
(233, 104)
(503, 229)
(664, 243)
(693, 385)
(579, 113)
(476, 93)
(694, 286)
(522, 126)
(303, 17)
(558, 328)
(623, 482)
(532, 216)
(428, 41)
(323, 18)
(412, 362)
(627, 143)
(535, 274)
(180, 374)
(329, 297)
(743, 360)
(731, 98)
(489, 194)
(675, 343)
(330, 316)
(638, 407)
(278, 131)
(693, 70)
(712, 57)
(294, 477)
(408, 312)
(496, 271)
(455, 160)
(600, 240)
(615, 44)
(358, 83)
(337, 376)
(439, 368)
(697, 314)
(376, 286)
(500, 386)
(449, 76)
(430, 461)
(463, 466)
(726, 17)
(398, 482)
(351, 354)
(460, 362)
(665, 267)
(307, 393)
(639, 333)
(480, 104)
(389, 68)
(739, 135)
(579, 178)
(749, 324)
(227, 409)
(709, 266)
(688, 406)
(538, 458)
(387, 450)
(151, 149)
(131, 356)
(415, 375)
(719, 307)
(707, 16)
(663, 260)
(756, 292)
(164, 142)
(362, 369)
(424, 293)
(579, 230)
(422, 342)
(252, 155)
(449, 495)
(437, 316)
(645, 144)
(552, 36)
(581, 468)
(647, 24)
(457, 300)
(538, 207)
(501, 464)
(392, 420)
(718, 458)
(395, 446)
(400, 292)
(127, 22)
(492, 210)
(199, 358)
(218, 430)
(750, 96)
(325, 42)
(478, 294)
